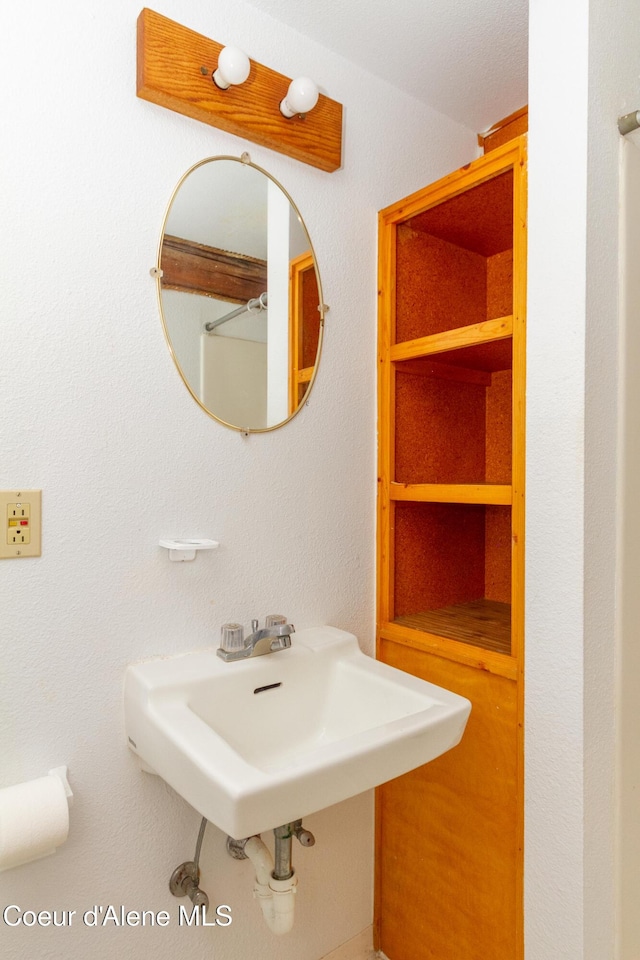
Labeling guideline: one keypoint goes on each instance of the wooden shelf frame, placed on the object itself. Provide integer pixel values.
(465, 810)
(510, 157)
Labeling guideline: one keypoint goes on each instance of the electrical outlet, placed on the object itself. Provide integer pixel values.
(20, 523)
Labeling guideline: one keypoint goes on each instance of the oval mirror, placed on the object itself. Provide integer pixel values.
(239, 294)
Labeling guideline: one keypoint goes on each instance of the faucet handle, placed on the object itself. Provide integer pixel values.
(305, 837)
(274, 620)
(231, 636)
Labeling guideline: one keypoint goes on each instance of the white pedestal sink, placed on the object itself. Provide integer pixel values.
(265, 741)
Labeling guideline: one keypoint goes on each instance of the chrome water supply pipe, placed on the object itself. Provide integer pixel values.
(185, 879)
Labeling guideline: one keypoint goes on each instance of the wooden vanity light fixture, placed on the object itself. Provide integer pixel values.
(175, 67)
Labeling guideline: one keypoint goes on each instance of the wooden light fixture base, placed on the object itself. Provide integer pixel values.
(175, 67)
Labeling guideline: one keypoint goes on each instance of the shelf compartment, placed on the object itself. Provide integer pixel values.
(481, 623)
(464, 247)
(453, 417)
(452, 566)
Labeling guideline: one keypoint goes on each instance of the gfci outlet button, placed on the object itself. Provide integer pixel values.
(21, 523)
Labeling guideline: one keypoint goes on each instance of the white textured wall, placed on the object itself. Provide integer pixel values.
(554, 725)
(583, 74)
(94, 413)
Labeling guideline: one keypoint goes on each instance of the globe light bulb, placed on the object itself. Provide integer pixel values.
(301, 97)
(233, 68)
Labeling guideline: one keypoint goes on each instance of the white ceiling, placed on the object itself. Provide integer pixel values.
(465, 58)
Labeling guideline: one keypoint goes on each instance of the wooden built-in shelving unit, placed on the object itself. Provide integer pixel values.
(451, 550)
(451, 334)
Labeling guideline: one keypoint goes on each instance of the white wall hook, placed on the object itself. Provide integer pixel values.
(180, 550)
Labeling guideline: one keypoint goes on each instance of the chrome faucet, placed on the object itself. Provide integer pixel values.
(268, 639)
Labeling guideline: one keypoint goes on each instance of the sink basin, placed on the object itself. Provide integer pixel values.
(262, 742)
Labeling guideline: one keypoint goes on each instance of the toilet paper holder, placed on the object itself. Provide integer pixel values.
(34, 818)
(61, 774)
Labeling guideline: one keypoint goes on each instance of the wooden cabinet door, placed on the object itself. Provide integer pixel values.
(448, 833)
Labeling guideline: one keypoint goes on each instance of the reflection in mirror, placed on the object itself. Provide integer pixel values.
(240, 294)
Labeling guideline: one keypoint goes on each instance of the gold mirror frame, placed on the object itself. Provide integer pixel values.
(307, 376)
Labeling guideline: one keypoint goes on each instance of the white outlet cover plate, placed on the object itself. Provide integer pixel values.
(10, 551)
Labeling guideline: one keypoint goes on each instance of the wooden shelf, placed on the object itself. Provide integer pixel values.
(487, 493)
(474, 333)
(450, 551)
(458, 652)
(481, 623)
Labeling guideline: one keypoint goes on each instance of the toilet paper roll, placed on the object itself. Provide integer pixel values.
(34, 820)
